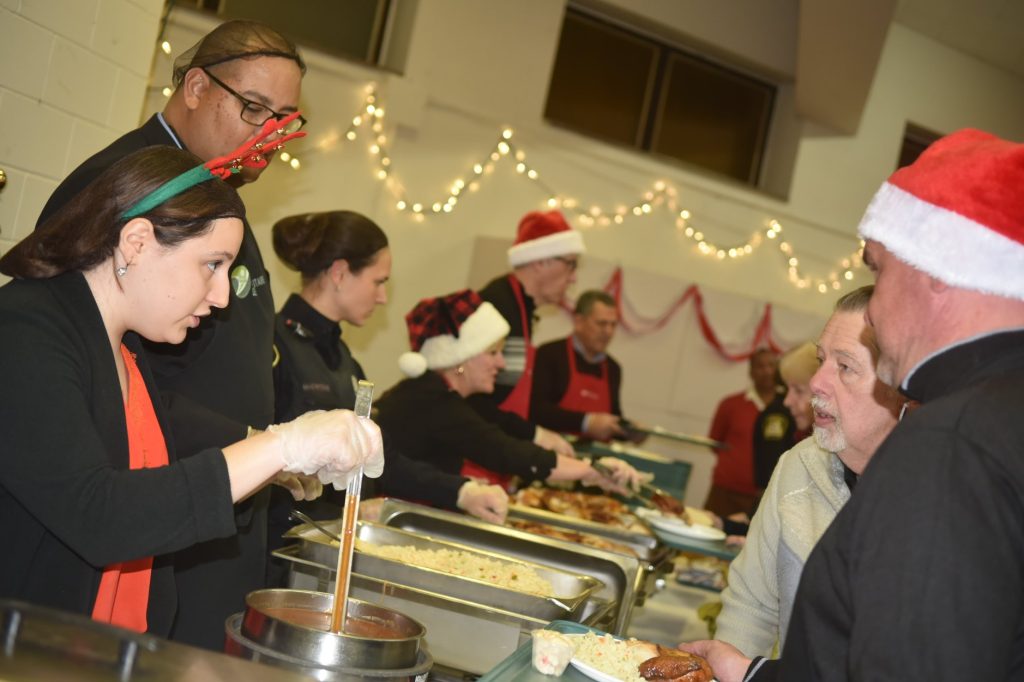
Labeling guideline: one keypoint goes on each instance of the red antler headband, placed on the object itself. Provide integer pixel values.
(251, 155)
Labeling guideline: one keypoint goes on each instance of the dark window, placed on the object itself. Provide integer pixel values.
(621, 86)
(352, 29)
(602, 81)
(915, 140)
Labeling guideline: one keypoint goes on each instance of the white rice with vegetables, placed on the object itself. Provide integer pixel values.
(502, 573)
(619, 658)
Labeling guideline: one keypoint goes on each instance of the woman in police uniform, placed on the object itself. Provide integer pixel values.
(345, 264)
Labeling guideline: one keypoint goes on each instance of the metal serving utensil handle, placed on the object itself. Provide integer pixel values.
(364, 400)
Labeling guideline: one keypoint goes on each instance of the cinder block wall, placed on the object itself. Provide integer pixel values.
(73, 77)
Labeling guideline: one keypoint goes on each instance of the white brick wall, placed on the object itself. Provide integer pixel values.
(73, 77)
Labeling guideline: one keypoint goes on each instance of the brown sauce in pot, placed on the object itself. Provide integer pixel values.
(321, 620)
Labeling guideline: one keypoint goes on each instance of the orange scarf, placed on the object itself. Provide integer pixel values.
(123, 597)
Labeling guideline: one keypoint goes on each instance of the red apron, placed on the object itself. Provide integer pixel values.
(586, 392)
(518, 401)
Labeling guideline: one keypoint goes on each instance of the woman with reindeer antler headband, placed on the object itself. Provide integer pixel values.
(93, 498)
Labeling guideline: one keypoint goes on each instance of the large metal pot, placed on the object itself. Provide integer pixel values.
(242, 647)
(284, 622)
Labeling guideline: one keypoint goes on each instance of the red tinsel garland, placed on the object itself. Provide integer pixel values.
(762, 334)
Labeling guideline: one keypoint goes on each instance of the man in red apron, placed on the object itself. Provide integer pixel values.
(576, 383)
(544, 258)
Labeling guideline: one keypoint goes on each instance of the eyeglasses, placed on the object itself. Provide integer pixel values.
(571, 263)
(257, 114)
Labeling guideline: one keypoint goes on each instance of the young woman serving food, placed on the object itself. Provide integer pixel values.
(93, 498)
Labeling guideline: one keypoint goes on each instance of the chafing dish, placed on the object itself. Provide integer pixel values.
(640, 541)
(570, 589)
(45, 644)
(623, 576)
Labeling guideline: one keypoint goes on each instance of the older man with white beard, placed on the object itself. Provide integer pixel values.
(853, 414)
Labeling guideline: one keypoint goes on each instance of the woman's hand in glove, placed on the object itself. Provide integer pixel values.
(330, 444)
(487, 502)
(302, 487)
(624, 474)
(549, 440)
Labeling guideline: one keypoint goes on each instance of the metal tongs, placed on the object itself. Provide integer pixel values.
(636, 496)
(629, 494)
(364, 399)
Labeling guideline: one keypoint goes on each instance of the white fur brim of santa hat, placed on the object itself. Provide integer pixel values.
(566, 243)
(956, 214)
(480, 331)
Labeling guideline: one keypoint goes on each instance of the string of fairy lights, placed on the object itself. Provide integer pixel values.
(661, 196)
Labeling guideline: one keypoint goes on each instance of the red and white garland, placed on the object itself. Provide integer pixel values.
(639, 325)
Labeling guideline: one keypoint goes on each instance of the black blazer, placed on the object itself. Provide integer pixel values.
(68, 505)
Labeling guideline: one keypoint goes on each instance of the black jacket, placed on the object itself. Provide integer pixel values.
(213, 387)
(430, 422)
(316, 371)
(69, 506)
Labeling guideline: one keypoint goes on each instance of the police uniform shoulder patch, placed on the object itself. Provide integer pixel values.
(775, 426)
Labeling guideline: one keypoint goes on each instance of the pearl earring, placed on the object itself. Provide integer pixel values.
(460, 370)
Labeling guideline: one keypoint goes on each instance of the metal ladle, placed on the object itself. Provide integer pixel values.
(305, 518)
(364, 398)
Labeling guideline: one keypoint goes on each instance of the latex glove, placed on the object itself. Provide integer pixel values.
(370, 510)
(332, 445)
(549, 440)
(301, 487)
(624, 474)
(487, 502)
(603, 426)
(593, 477)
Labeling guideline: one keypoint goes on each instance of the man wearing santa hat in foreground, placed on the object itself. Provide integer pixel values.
(544, 258)
(921, 576)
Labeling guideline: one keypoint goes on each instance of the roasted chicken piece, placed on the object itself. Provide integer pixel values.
(530, 497)
(673, 665)
(667, 503)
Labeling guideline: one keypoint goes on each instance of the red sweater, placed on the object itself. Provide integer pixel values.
(734, 424)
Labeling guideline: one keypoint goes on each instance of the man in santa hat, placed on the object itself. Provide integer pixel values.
(921, 576)
(544, 258)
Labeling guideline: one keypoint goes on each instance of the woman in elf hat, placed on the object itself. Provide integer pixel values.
(345, 264)
(93, 498)
(457, 352)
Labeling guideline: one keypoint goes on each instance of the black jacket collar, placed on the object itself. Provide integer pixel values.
(964, 364)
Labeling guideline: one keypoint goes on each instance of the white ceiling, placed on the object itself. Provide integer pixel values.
(990, 30)
(846, 38)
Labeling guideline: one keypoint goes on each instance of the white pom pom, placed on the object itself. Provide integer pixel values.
(412, 364)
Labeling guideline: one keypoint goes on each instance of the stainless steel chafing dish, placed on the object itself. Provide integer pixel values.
(623, 576)
(642, 541)
(571, 590)
(40, 643)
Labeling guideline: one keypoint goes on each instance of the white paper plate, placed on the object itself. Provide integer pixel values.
(594, 673)
(673, 526)
(591, 672)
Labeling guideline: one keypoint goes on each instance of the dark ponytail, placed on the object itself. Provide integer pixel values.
(310, 242)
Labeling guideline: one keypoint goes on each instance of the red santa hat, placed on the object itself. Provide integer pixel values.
(544, 235)
(957, 213)
(448, 330)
